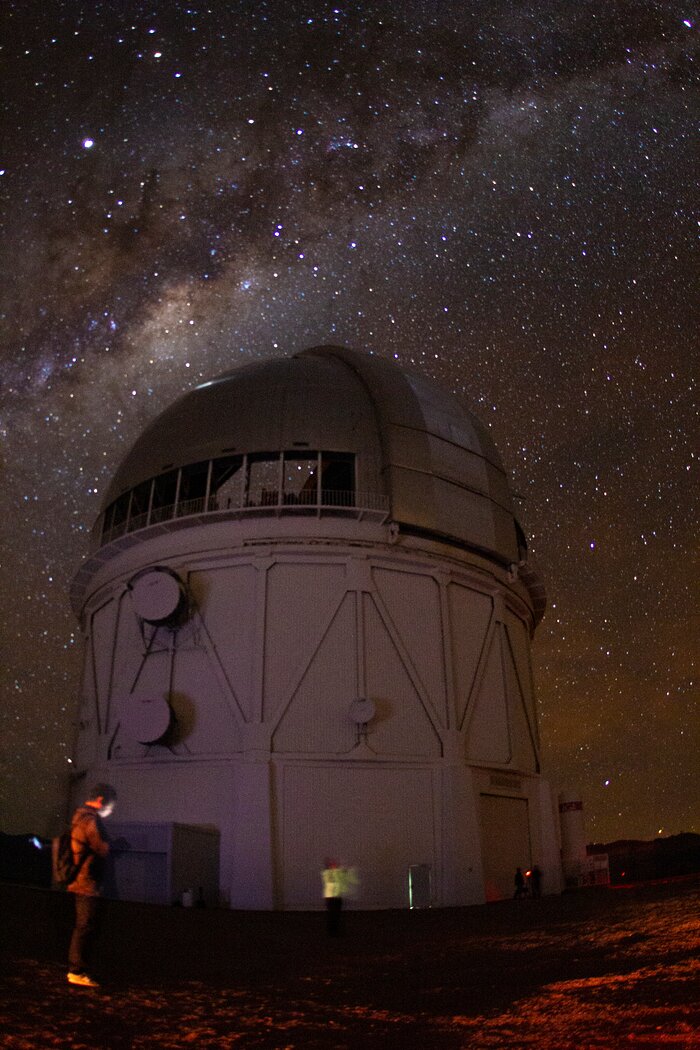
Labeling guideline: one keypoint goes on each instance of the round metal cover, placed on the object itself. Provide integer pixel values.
(146, 719)
(156, 595)
(362, 711)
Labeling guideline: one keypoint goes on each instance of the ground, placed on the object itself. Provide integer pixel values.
(603, 968)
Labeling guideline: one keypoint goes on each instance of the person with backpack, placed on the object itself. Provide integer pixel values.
(90, 845)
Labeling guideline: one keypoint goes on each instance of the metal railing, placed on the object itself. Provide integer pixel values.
(265, 502)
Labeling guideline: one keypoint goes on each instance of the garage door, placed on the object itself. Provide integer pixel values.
(505, 843)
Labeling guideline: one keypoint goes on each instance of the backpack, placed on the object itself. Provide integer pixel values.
(64, 870)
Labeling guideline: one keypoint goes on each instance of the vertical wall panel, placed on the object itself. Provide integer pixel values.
(226, 601)
(402, 724)
(104, 628)
(207, 719)
(520, 644)
(128, 659)
(152, 684)
(333, 812)
(317, 716)
(413, 603)
(523, 754)
(301, 600)
(470, 614)
(488, 730)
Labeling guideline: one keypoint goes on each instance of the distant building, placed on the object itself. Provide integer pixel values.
(579, 867)
(632, 860)
(307, 617)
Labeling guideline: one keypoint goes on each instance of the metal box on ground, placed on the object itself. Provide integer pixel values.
(163, 863)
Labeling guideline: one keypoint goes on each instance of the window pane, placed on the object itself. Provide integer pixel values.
(226, 483)
(107, 520)
(338, 479)
(121, 509)
(138, 515)
(164, 488)
(263, 480)
(300, 474)
(193, 488)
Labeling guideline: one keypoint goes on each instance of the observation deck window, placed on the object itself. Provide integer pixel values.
(337, 475)
(164, 496)
(140, 504)
(263, 480)
(275, 480)
(227, 478)
(300, 478)
(522, 542)
(193, 488)
(120, 512)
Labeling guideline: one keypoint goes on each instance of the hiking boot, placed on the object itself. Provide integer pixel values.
(82, 978)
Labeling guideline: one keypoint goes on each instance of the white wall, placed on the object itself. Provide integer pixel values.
(282, 638)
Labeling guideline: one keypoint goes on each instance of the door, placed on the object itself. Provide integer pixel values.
(505, 843)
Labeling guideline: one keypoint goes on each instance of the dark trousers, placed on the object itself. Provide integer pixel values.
(83, 932)
(333, 908)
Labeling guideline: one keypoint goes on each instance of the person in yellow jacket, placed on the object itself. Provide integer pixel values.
(337, 882)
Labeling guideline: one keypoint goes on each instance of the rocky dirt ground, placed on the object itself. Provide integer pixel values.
(599, 969)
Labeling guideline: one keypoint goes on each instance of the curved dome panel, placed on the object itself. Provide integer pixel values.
(285, 403)
(412, 442)
(440, 467)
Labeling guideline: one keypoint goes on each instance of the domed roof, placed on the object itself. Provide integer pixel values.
(413, 442)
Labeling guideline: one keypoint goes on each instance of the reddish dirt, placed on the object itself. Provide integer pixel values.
(598, 969)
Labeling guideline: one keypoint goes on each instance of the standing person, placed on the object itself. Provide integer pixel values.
(332, 877)
(519, 880)
(90, 847)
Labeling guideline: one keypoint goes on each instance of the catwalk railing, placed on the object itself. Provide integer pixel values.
(266, 502)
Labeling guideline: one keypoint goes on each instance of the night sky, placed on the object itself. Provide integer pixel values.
(501, 196)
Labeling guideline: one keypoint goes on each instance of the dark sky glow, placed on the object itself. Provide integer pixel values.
(500, 196)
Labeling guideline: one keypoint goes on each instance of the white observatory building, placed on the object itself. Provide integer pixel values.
(307, 616)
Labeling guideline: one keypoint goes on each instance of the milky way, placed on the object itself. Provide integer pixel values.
(501, 196)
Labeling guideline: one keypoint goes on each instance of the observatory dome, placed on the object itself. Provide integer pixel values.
(309, 601)
(392, 435)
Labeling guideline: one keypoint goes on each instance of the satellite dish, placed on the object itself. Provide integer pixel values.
(157, 595)
(362, 711)
(146, 719)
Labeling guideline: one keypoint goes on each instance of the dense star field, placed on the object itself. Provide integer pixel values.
(501, 196)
